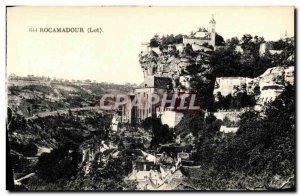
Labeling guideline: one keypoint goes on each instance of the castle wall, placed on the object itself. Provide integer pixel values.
(226, 85)
(197, 41)
(271, 84)
(199, 47)
(275, 51)
(270, 95)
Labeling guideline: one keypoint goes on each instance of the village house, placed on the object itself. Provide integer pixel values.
(171, 117)
(151, 85)
(151, 172)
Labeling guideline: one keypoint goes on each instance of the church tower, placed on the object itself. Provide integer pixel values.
(212, 30)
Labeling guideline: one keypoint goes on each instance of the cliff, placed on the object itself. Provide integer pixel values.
(173, 63)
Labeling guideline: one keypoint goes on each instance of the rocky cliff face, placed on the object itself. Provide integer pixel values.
(172, 63)
(274, 75)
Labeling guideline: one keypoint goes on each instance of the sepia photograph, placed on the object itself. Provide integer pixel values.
(149, 98)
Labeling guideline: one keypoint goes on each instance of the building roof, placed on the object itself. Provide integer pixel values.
(156, 82)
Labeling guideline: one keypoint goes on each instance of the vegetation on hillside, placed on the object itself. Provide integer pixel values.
(261, 152)
(164, 41)
(229, 62)
(261, 155)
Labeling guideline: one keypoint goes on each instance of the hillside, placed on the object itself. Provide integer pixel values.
(30, 96)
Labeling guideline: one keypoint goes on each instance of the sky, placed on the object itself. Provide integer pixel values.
(112, 56)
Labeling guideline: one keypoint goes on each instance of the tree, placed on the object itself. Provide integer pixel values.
(246, 39)
(242, 100)
(154, 42)
(188, 50)
(234, 41)
(202, 84)
(164, 41)
(263, 149)
(161, 134)
(219, 40)
(266, 145)
(105, 178)
(178, 39)
(205, 147)
(59, 164)
(225, 62)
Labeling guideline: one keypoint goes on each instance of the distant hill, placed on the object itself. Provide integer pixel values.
(27, 96)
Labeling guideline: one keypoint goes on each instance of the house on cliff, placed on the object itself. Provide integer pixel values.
(135, 112)
(202, 36)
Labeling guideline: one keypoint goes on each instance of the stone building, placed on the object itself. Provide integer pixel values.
(164, 71)
(201, 39)
(203, 36)
(171, 117)
(268, 47)
(151, 85)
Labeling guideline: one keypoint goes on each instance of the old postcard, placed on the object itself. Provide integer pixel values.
(151, 98)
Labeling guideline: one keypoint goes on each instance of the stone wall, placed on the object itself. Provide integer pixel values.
(275, 76)
(233, 116)
(228, 85)
(191, 41)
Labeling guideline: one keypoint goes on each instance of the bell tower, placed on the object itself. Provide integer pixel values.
(212, 30)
